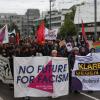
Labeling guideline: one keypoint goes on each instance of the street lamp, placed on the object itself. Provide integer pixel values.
(95, 19)
(50, 11)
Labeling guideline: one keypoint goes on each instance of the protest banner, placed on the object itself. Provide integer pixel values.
(40, 76)
(5, 71)
(86, 72)
(62, 43)
(50, 34)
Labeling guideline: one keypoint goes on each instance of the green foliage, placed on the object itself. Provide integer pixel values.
(68, 28)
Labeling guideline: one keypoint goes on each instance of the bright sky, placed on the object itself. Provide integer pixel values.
(20, 6)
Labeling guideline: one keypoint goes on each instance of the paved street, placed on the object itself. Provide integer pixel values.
(7, 94)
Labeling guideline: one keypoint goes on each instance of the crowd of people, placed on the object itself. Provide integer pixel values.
(56, 48)
(29, 47)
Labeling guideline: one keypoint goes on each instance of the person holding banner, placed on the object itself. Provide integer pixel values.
(54, 53)
(71, 61)
(4, 53)
(18, 51)
(92, 50)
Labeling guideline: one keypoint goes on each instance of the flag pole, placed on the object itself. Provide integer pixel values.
(95, 19)
(78, 26)
(50, 14)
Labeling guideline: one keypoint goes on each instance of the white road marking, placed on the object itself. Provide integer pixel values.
(89, 96)
(1, 98)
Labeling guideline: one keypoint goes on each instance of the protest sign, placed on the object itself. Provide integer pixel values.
(50, 34)
(40, 76)
(86, 72)
(5, 71)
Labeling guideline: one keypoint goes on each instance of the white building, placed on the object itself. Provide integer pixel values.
(86, 13)
(57, 18)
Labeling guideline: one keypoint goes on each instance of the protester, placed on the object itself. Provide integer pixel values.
(63, 50)
(83, 51)
(71, 61)
(4, 53)
(28, 48)
(17, 51)
(54, 53)
(92, 50)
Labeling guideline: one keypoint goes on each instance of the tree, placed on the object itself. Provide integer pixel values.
(68, 28)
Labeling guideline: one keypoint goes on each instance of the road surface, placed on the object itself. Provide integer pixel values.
(8, 94)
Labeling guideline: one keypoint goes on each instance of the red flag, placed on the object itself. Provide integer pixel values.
(17, 38)
(40, 33)
(84, 35)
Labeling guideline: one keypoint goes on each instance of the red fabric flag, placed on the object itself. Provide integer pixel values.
(40, 33)
(84, 35)
(17, 38)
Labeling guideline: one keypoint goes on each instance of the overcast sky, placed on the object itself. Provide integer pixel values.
(20, 6)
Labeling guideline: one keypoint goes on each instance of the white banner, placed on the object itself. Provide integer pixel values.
(50, 34)
(40, 77)
(86, 73)
(5, 71)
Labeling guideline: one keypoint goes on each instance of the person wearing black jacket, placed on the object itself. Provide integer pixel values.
(71, 61)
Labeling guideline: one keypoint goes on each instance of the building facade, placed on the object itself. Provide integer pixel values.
(9, 18)
(57, 18)
(28, 20)
(86, 13)
(32, 18)
(24, 22)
